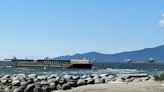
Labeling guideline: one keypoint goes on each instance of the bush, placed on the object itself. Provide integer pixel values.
(159, 77)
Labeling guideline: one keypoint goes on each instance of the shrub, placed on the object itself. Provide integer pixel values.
(159, 77)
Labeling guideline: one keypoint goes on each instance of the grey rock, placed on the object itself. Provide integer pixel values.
(30, 81)
(98, 81)
(59, 86)
(18, 90)
(24, 84)
(43, 82)
(62, 81)
(37, 89)
(15, 83)
(57, 78)
(119, 80)
(14, 78)
(96, 77)
(21, 75)
(32, 76)
(6, 77)
(29, 88)
(8, 89)
(90, 81)
(103, 75)
(38, 84)
(110, 76)
(129, 80)
(9, 80)
(83, 77)
(73, 83)
(75, 77)
(66, 86)
(46, 88)
(81, 82)
(68, 77)
(52, 76)
(51, 81)
(2, 86)
(36, 80)
(42, 77)
(52, 85)
(4, 81)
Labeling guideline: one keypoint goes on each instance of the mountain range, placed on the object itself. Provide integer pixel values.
(156, 53)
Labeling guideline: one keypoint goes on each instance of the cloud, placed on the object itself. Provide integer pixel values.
(161, 22)
(162, 15)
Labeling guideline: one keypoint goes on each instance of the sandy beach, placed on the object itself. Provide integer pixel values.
(120, 87)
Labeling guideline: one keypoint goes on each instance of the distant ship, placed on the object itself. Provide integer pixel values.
(150, 60)
(47, 63)
(127, 61)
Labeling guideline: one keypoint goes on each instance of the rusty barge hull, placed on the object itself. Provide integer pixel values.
(50, 63)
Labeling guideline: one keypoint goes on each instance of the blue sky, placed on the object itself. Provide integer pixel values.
(40, 28)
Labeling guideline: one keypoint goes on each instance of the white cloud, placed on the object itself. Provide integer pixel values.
(161, 23)
(162, 15)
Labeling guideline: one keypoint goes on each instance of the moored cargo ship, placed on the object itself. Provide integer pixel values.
(47, 63)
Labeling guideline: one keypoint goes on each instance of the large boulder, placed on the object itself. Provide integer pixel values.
(4, 81)
(96, 77)
(62, 81)
(103, 75)
(98, 81)
(52, 76)
(68, 77)
(15, 83)
(21, 75)
(42, 77)
(24, 84)
(8, 89)
(75, 77)
(83, 77)
(18, 90)
(32, 76)
(66, 86)
(59, 86)
(46, 88)
(6, 76)
(37, 89)
(29, 88)
(51, 80)
(30, 81)
(81, 82)
(52, 85)
(43, 82)
(38, 84)
(73, 83)
(90, 81)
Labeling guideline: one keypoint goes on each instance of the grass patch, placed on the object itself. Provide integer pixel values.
(159, 77)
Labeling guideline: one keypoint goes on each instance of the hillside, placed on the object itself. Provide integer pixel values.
(157, 53)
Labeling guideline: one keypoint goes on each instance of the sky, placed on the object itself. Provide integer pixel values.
(40, 28)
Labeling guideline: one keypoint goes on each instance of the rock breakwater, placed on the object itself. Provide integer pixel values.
(48, 83)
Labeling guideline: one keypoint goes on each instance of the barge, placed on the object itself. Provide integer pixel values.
(50, 63)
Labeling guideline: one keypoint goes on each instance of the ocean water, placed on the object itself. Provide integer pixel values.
(114, 68)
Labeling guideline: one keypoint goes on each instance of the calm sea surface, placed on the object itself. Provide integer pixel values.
(114, 68)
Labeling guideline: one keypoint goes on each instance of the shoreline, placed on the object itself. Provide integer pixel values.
(73, 83)
(150, 86)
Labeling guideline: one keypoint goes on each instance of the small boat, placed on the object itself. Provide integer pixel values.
(45, 68)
